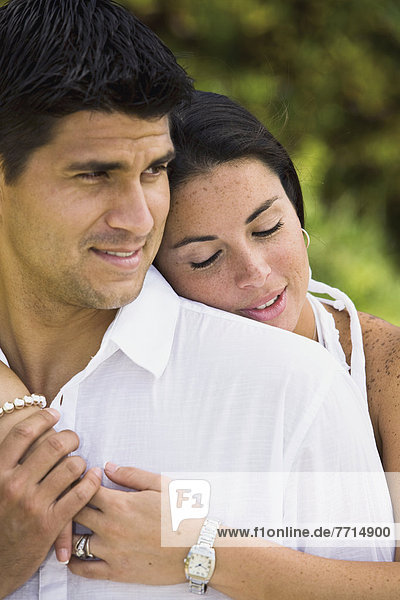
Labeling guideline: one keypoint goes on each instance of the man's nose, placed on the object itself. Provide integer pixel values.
(129, 210)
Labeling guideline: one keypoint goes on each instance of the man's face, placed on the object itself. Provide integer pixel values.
(83, 222)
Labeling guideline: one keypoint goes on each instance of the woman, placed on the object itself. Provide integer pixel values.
(234, 240)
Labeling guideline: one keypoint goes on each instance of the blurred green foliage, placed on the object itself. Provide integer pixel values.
(324, 77)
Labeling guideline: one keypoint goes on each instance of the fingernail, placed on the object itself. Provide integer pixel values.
(63, 556)
(97, 471)
(53, 412)
(110, 467)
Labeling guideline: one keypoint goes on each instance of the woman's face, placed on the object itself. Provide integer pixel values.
(233, 241)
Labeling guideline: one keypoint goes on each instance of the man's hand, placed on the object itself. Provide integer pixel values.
(34, 504)
(127, 533)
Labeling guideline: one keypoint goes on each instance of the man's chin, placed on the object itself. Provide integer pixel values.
(116, 302)
(111, 300)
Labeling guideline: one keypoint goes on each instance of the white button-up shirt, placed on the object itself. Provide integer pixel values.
(177, 386)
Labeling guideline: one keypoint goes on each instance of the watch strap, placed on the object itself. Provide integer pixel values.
(208, 533)
(206, 539)
(195, 587)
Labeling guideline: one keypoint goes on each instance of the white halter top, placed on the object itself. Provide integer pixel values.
(328, 335)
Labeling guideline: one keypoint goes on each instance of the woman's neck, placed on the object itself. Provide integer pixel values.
(306, 325)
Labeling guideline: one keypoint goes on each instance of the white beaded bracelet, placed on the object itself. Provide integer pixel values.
(19, 403)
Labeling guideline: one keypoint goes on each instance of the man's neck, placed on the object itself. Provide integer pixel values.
(45, 351)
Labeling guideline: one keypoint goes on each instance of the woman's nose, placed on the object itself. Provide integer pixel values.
(252, 272)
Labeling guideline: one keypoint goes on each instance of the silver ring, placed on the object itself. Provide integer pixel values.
(82, 547)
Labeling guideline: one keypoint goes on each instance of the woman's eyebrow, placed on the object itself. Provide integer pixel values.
(264, 206)
(190, 240)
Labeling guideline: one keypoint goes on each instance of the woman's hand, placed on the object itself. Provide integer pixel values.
(127, 533)
(64, 541)
(36, 498)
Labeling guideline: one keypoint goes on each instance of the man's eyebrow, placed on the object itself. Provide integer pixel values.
(163, 159)
(94, 165)
(190, 240)
(100, 165)
(264, 206)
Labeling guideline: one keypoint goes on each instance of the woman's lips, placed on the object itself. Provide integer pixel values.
(267, 310)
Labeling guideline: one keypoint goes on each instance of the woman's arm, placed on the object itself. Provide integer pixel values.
(283, 574)
(382, 361)
(27, 534)
(127, 540)
(382, 358)
(11, 387)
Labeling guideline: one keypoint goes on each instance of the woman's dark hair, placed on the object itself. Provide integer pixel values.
(213, 129)
(61, 56)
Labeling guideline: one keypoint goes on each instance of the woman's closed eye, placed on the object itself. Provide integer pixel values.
(268, 232)
(206, 263)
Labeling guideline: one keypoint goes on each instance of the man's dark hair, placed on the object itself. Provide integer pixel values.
(213, 129)
(61, 56)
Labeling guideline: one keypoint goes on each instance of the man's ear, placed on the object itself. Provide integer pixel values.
(2, 185)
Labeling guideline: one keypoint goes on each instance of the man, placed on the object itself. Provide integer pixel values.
(163, 384)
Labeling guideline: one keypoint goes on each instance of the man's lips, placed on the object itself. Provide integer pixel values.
(121, 253)
(125, 258)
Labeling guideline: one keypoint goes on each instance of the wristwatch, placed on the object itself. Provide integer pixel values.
(200, 561)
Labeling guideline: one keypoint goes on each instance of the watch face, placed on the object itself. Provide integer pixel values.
(200, 566)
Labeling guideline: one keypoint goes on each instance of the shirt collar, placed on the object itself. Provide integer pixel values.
(144, 329)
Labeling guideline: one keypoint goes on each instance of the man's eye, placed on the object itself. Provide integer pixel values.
(206, 263)
(156, 169)
(268, 232)
(93, 175)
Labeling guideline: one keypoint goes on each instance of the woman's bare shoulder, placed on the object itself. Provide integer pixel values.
(381, 346)
(382, 361)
